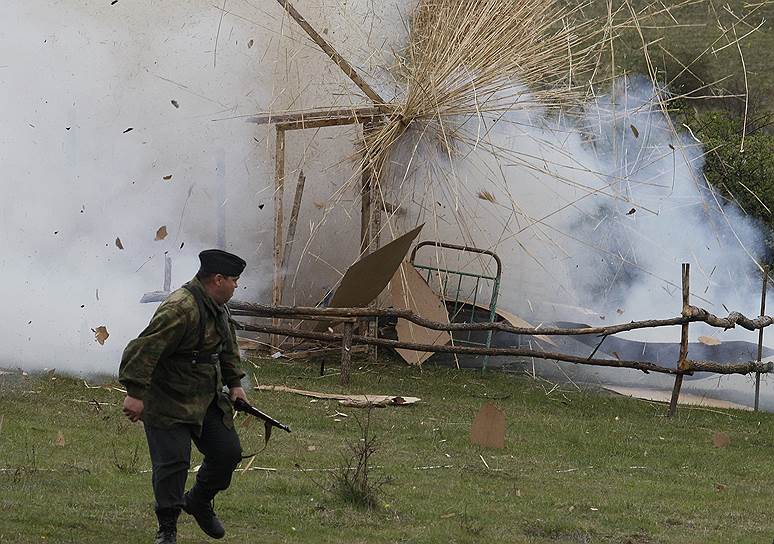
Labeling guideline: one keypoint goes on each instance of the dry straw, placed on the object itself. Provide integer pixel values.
(474, 57)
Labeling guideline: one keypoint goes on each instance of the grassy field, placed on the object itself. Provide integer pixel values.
(578, 466)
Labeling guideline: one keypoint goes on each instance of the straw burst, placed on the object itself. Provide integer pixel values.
(474, 57)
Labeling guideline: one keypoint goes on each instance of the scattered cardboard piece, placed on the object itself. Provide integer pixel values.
(488, 429)
(409, 291)
(60, 439)
(364, 280)
(359, 401)
(709, 340)
(161, 233)
(721, 440)
(101, 334)
(659, 395)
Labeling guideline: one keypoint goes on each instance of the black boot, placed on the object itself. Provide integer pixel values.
(200, 507)
(167, 533)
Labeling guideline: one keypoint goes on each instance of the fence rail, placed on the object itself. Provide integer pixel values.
(350, 316)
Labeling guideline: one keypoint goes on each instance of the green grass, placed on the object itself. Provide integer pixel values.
(578, 466)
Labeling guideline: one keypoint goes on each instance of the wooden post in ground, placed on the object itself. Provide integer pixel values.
(346, 351)
(279, 203)
(760, 336)
(370, 223)
(681, 362)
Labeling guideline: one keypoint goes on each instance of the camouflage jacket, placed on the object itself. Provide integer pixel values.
(157, 367)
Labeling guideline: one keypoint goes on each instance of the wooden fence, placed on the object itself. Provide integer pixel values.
(349, 317)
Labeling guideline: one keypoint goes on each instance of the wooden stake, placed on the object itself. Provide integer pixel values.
(279, 203)
(346, 352)
(760, 336)
(682, 364)
(370, 223)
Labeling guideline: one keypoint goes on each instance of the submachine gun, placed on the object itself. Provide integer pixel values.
(268, 421)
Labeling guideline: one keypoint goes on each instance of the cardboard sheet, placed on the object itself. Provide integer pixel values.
(368, 277)
(488, 429)
(663, 395)
(409, 291)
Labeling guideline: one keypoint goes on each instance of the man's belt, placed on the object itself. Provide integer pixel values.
(199, 358)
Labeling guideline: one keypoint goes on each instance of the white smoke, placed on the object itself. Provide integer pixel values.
(74, 78)
(596, 210)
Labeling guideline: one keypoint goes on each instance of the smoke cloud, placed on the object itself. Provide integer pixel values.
(592, 213)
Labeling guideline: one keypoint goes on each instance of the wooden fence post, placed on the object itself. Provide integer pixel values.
(760, 336)
(346, 352)
(681, 362)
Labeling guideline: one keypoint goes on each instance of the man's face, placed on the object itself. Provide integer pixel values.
(224, 288)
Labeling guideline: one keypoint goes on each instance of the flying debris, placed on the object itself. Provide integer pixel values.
(101, 334)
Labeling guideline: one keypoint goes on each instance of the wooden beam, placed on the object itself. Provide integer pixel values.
(347, 68)
(360, 112)
(279, 203)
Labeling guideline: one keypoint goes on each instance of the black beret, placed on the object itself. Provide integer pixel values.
(217, 261)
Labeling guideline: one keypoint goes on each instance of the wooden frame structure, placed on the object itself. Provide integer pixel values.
(368, 116)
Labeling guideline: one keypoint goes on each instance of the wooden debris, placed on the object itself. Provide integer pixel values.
(347, 400)
(161, 233)
(709, 340)
(486, 195)
(101, 334)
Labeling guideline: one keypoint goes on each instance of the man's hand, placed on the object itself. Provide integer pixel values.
(237, 393)
(133, 408)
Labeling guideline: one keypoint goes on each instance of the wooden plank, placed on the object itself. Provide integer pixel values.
(279, 202)
(306, 119)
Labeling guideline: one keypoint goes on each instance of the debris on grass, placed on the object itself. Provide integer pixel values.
(358, 401)
(721, 440)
